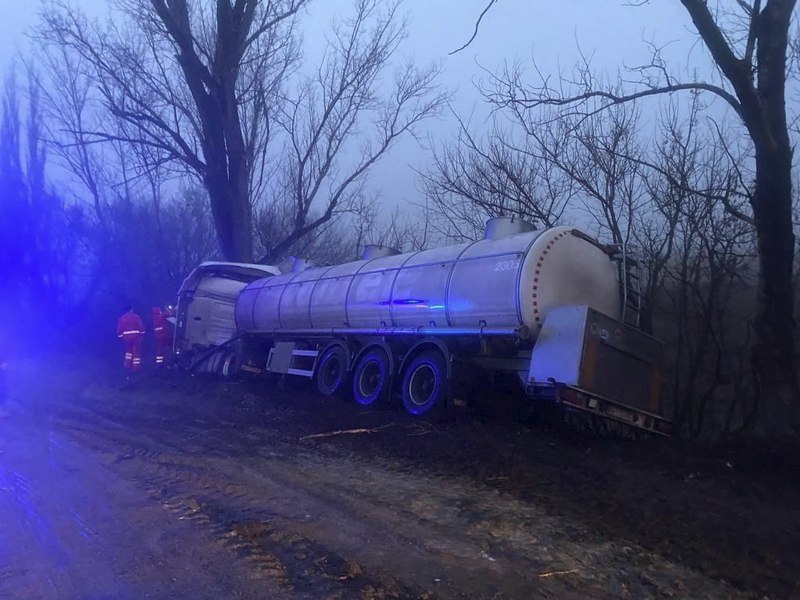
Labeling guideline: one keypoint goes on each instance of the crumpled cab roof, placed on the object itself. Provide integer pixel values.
(243, 272)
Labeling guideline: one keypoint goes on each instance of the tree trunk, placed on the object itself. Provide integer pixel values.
(230, 207)
(773, 357)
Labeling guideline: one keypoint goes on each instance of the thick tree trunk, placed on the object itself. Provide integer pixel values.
(226, 172)
(230, 207)
(774, 353)
(760, 87)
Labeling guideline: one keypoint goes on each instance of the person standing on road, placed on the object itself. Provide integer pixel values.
(163, 333)
(131, 330)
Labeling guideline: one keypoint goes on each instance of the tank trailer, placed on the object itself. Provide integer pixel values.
(553, 310)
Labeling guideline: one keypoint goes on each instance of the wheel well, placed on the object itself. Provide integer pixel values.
(348, 352)
(424, 345)
(390, 354)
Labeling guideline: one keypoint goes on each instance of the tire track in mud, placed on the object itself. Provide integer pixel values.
(498, 547)
(189, 488)
(443, 556)
(202, 466)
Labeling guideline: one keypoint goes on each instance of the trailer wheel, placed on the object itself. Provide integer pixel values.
(331, 371)
(372, 379)
(425, 384)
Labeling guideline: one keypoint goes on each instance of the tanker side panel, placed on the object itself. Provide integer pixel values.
(369, 300)
(328, 305)
(419, 296)
(420, 289)
(505, 282)
(266, 315)
(294, 305)
(484, 288)
(483, 291)
(243, 313)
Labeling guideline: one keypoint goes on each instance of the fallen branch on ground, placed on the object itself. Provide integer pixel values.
(344, 432)
(551, 573)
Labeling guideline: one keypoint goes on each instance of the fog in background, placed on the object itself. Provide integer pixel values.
(554, 34)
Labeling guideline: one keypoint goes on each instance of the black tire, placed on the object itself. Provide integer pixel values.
(372, 379)
(331, 371)
(213, 363)
(229, 365)
(425, 384)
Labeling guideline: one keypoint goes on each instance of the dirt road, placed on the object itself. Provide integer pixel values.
(182, 487)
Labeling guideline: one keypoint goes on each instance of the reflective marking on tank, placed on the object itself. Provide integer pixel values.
(394, 283)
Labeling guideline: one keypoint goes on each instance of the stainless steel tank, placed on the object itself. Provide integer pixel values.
(497, 282)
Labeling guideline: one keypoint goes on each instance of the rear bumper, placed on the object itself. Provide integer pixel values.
(577, 399)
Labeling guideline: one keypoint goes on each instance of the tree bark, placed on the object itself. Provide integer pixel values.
(213, 88)
(761, 90)
(774, 352)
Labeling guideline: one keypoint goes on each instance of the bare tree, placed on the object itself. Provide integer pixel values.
(472, 180)
(197, 81)
(339, 125)
(752, 63)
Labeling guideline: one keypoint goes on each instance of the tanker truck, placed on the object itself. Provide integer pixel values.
(553, 310)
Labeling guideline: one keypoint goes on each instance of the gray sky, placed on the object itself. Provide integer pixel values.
(513, 29)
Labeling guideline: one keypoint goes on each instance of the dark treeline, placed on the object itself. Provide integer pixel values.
(69, 268)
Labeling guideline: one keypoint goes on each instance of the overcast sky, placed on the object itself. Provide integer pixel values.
(513, 29)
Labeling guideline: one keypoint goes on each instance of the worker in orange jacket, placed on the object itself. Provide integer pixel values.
(131, 330)
(163, 332)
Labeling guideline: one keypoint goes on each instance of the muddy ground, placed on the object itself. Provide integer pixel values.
(184, 487)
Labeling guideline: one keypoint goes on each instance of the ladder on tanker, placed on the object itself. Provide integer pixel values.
(629, 271)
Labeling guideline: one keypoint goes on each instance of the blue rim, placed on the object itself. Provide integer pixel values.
(434, 396)
(366, 400)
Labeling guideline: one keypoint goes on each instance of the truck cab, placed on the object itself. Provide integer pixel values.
(206, 300)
